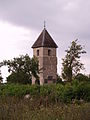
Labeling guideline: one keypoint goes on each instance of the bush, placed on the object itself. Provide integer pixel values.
(82, 78)
(83, 92)
(54, 93)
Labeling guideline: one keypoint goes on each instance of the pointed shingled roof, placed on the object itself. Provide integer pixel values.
(44, 40)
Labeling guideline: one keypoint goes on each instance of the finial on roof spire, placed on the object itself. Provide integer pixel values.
(44, 24)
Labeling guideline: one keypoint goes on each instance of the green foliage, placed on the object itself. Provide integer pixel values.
(83, 91)
(22, 68)
(45, 102)
(20, 77)
(18, 90)
(67, 94)
(34, 67)
(59, 80)
(71, 63)
(52, 93)
(82, 78)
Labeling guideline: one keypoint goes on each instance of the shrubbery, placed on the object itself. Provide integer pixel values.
(54, 93)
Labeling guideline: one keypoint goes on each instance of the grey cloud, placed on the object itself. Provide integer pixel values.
(26, 12)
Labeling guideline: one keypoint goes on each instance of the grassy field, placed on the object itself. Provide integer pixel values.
(14, 108)
(49, 102)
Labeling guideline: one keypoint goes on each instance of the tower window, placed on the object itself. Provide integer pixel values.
(49, 52)
(50, 77)
(37, 52)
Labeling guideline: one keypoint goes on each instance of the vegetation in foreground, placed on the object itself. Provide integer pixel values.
(14, 108)
(67, 101)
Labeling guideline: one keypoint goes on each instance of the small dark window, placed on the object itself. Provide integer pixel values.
(49, 52)
(37, 52)
(45, 81)
(50, 77)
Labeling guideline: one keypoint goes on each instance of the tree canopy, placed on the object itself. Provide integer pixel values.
(71, 63)
(82, 78)
(22, 68)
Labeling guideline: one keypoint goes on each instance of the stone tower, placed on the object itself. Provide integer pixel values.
(45, 50)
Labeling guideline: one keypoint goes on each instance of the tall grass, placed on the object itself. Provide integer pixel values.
(14, 108)
(49, 102)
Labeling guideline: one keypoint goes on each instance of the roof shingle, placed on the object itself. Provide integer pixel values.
(44, 40)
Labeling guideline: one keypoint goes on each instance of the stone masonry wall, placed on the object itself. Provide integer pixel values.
(48, 63)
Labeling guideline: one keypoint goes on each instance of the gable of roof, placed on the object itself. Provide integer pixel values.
(44, 40)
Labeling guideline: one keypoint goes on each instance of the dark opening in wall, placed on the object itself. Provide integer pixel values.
(37, 52)
(50, 77)
(49, 52)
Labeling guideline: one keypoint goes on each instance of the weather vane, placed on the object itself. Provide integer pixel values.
(44, 24)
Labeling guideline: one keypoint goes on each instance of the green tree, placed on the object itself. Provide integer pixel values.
(22, 68)
(19, 77)
(82, 78)
(71, 63)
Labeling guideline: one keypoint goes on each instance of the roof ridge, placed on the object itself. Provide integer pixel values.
(43, 38)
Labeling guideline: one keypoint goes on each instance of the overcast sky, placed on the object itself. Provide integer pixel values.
(21, 22)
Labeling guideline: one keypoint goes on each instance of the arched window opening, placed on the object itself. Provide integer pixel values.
(37, 52)
(50, 77)
(49, 52)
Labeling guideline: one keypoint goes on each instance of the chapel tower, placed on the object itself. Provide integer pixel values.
(45, 50)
